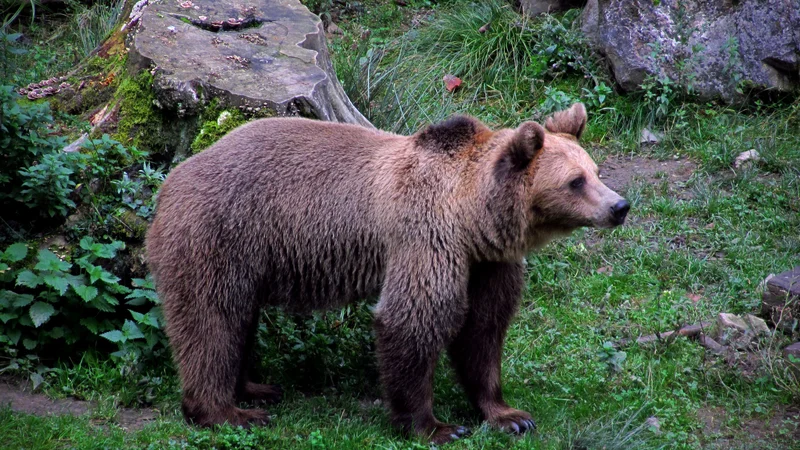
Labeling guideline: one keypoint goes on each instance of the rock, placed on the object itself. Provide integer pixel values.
(334, 29)
(781, 300)
(739, 332)
(792, 355)
(532, 8)
(793, 351)
(747, 157)
(710, 344)
(711, 46)
(648, 137)
(266, 57)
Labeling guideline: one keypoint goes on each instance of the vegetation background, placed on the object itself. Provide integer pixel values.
(79, 317)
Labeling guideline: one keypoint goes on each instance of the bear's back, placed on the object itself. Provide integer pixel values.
(288, 202)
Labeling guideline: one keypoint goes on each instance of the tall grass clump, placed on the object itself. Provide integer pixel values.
(513, 68)
(89, 26)
(51, 40)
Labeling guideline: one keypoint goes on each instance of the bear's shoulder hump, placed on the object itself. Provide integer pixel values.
(452, 135)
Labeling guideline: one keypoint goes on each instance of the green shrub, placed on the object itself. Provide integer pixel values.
(319, 349)
(53, 301)
(33, 169)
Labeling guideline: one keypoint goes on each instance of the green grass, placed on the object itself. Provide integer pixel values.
(718, 234)
(56, 39)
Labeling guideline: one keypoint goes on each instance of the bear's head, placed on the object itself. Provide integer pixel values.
(552, 181)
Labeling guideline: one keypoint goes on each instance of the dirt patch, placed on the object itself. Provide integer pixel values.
(20, 399)
(779, 431)
(618, 172)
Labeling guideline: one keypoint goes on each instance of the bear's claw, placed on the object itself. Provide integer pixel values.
(448, 433)
(514, 421)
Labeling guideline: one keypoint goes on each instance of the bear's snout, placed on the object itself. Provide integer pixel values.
(619, 211)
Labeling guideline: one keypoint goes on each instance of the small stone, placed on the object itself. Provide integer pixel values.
(757, 325)
(334, 29)
(654, 424)
(648, 137)
(726, 320)
(739, 332)
(781, 299)
(747, 157)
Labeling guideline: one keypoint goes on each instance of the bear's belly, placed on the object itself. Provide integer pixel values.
(322, 279)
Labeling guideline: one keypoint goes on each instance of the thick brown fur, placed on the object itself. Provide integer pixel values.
(310, 215)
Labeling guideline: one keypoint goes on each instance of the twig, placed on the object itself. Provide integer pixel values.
(687, 331)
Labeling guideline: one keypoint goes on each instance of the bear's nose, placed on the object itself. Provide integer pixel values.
(620, 210)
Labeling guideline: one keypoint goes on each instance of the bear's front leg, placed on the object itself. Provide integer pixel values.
(494, 293)
(422, 306)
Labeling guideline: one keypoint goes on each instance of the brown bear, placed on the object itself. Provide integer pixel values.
(305, 215)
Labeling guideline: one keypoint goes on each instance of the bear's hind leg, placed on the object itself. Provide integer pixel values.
(209, 346)
(247, 390)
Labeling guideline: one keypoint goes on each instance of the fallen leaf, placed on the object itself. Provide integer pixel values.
(451, 82)
(484, 28)
(605, 269)
(710, 226)
(694, 297)
(187, 4)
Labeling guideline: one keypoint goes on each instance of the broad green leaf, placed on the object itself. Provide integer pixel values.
(144, 283)
(76, 280)
(86, 242)
(114, 336)
(41, 312)
(50, 261)
(37, 379)
(118, 288)
(91, 324)
(30, 344)
(57, 333)
(21, 300)
(28, 279)
(5, 317)
(87, 293)
(140, 295)
(15, 252)
(100, 303)
(110, 299)
(58, 282)
(6, 297)
(109, 277)
(131, 330)
(14, 336)
(3, 267)
(95, 272)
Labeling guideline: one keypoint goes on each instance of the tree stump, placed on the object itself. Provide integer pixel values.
(265, 57)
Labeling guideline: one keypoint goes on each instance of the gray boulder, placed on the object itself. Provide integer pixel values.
(710, 46)
(267, 57)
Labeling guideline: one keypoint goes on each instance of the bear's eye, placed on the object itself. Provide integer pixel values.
(577, 183)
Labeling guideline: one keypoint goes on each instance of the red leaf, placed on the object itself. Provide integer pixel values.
(484, 28)
(694, 297)
(605, 269)
(451, 82)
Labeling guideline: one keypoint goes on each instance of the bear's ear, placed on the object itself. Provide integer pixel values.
(571, 121)
(526, 143)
